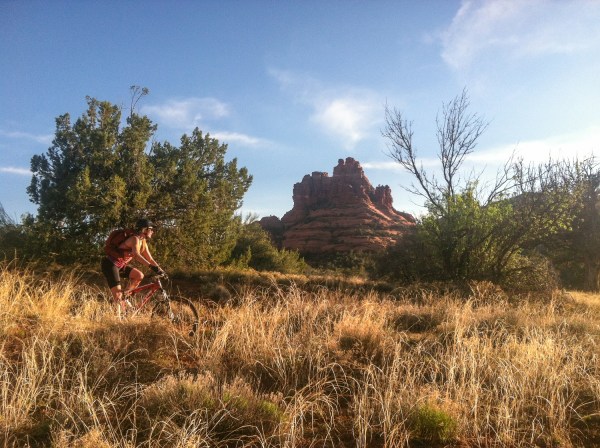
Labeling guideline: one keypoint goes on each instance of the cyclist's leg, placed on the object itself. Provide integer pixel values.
(135, 277)
(111, 273)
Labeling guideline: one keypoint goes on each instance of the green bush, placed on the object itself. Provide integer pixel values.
(255, 250)
(530, 273)
(431, 424)
(347, 264)
(410, 260)
(416, 259)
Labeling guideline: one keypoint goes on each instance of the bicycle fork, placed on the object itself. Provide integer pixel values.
(164, 306)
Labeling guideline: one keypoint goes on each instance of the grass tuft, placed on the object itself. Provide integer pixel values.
(430, 423)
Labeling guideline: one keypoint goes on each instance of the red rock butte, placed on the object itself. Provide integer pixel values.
(341, 213)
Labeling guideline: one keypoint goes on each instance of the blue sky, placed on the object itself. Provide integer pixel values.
(293, 86)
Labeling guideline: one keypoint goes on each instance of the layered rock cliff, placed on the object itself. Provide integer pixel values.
(341, 213)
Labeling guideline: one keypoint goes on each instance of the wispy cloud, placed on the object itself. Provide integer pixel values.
(520, 28)
(45, 139)
(568, 146)
(349, 114)
(14, 170)
(391, 165)
(186, 114)
(385, 166)
(578, 145)
(243, 139)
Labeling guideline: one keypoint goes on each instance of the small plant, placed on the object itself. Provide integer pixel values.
(432, 424)
(220, 294)
(415, 321)
(222, 410)
(92, 439)
(250, 409)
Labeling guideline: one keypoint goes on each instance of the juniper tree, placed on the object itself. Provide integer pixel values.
(101, 173)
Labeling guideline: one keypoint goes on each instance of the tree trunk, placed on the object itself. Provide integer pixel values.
(592, 274)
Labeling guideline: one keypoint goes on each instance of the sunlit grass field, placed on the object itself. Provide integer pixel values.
(283, 366)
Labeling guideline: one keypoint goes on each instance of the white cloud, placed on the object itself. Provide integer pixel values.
(578, 145)
(188, 113)
(348, 114)
(347, 118)
(568, 146)
(520, 28)
(389, 165)
(243, 139)
(392, 165)
(45, 139)
(14, 170)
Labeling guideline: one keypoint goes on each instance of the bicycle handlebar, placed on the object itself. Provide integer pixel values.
(162, 276)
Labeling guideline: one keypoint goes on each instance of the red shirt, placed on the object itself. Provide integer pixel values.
(123, 261)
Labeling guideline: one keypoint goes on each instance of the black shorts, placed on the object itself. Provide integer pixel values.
(113, 273)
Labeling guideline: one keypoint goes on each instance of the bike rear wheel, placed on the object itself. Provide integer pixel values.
(180, 311)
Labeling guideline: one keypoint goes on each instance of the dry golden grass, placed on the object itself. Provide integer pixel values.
(280, 366)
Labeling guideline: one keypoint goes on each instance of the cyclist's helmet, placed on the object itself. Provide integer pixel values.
(143, 223)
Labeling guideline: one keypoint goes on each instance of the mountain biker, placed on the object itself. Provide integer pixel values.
(133, 248)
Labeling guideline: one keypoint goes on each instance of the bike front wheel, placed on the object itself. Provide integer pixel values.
(181, 312)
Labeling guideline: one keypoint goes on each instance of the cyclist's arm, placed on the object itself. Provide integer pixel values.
(135, 244)
(147, 256)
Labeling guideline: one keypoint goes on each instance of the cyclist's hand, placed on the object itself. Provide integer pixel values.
(157, 270)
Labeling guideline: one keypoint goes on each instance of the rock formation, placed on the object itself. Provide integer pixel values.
(341, 213)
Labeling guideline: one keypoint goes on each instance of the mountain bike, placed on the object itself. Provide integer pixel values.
(180, 311)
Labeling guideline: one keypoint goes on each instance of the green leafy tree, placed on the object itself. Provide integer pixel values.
(196, 193)
(472, 232)
(575, 249)
(99, 175)
(460, 237)
(79, 184)
(584, 239)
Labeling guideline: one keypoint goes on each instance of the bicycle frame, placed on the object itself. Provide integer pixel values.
(152, 287)
(179, 310)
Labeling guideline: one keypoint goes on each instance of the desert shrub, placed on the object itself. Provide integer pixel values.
(410, 260)
(347, 264)
(530, 273)
(430, 423)
(414, 259)
(290, 262)
(11, 242)
(14, 240)
(254, 249)
(220, 294)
